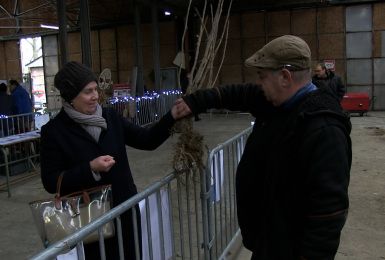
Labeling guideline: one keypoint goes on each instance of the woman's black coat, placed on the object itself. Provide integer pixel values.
(66, 147)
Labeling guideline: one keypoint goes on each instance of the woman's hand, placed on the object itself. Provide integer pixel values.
(102, 163)
(180, 109)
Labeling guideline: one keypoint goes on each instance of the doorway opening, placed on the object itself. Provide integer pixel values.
(33, 72)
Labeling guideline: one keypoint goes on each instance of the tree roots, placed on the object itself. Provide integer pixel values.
(188, 152)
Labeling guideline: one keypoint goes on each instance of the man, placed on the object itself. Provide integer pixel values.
(292, 180)
(5, 101)
(21, 99)
(5, 110)
(324, 78)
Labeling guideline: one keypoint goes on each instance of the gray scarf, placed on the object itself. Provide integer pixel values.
(93, 124)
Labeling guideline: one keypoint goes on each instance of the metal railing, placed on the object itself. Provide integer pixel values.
(144, 110)
(19, 148)
(16, 124)
(19, 153)
(187, 216)
(219, 184)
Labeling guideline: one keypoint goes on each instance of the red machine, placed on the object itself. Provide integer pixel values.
(356, 102)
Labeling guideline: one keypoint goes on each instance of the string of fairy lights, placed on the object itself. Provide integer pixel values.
(148, 96)
(149, 99)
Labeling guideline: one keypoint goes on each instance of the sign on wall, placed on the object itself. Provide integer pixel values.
(330, 64)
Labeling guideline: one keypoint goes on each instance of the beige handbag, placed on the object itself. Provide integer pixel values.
(58, 217)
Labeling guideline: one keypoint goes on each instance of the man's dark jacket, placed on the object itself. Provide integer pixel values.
(5, 104)
(332, 82)
(66, 147)
(22, 103)
(292, 180)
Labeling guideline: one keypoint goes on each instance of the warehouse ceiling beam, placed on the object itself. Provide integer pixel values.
(138, 52)
(5, 11)
(15, 7)
(263, 5)
(17, 20)
(155, 44)
(32, 9)
(163, 4)
(85, 32)
(352, 1)
(63, 40)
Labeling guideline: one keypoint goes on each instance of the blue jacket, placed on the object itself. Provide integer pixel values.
(22, 103)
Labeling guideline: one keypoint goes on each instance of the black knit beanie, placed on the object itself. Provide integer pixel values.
(72, 78)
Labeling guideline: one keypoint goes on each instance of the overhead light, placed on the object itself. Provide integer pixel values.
(49, 26)
(167, 13)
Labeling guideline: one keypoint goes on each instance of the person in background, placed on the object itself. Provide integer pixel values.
(22, 103)
(87, 145)
(6, 105)
(292, 180)
(6, 102)
(324, 78)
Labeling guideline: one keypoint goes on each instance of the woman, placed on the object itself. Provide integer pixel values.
(88, 145)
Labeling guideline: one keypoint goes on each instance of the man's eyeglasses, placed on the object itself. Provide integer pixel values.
(290, 67)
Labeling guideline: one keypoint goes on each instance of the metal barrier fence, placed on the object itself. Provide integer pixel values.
(184, 216)
(19, 153)
(140, 110)
(16, 124)
(219, 184)
(144, 110)
(19, 147)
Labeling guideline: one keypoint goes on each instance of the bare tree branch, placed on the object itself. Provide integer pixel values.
(189, 148)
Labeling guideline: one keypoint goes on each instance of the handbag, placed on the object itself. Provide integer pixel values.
(58, 217)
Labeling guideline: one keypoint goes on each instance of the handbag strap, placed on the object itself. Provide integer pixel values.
(84, 193)
(58, 184)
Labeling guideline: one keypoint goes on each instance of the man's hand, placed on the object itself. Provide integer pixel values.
(180, 109)
(102, 163)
